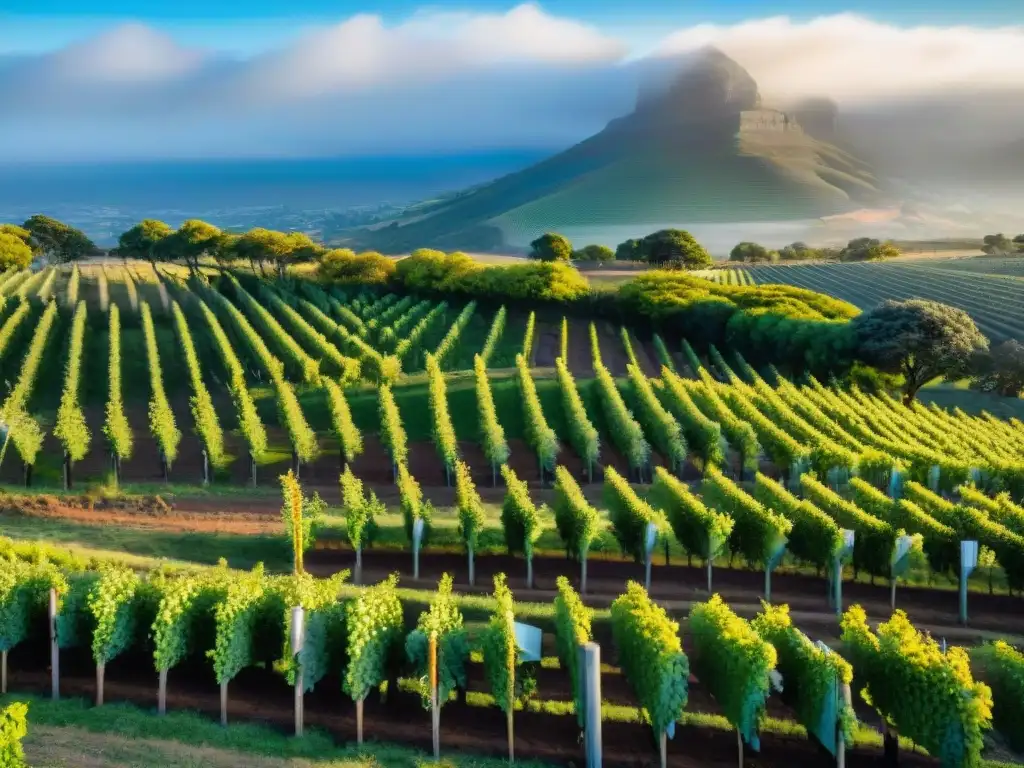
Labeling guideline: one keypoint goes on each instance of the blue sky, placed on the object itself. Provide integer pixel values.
(248, 27)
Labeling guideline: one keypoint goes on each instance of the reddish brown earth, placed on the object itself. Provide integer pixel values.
(581, 359)
(262, 696)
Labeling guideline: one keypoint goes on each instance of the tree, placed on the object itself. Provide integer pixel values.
(142, 240)
(14, 252)
(798, 251)
(868, 249)
(56, 241)
(1018, 241)
(551, 246)
(344, 266)
(192, 240)
(629, 251)
(998, 245)
(1002, 371)
(280, 248)
(594, 253)
(676, 248)
(752, 252)
(920, 339)
(19, 232)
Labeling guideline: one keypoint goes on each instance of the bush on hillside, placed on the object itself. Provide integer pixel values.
(752, 252)
(14, 252)
(1000, 245)
(628, 251)
(551, 246)
(343, 266)
(674, 248)
(869, 249)
(594, 253)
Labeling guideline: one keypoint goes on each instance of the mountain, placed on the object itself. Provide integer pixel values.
(699, 149)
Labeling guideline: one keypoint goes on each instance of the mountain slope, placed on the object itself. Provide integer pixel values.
(703, 150)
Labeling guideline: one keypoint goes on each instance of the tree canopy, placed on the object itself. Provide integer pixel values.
(1002, 370)
(999, 245)
(56, 241)
(868, 249)
(594, 253)
(190, 242)
(279, 248)
(19, 232)
(752, 252)
(142, 240)
(628, 251)
(674, 248)
(551, 246)
(919, 339)
(343, 266)
(14, 252)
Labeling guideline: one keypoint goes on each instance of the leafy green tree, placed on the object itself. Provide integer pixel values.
(919, 339)
(752, 252)
(13, 728)
(14, 252)
(1019, 242)
(798, 251)
(1002, 371)
(629, 251)
(193, 240)
(551, 246)
(594, 253)
(868, 249)
(675, 248)
(142, 240)
(998, 245)
(57, 241)
(19, 232)
(281, 249)
(346, 267)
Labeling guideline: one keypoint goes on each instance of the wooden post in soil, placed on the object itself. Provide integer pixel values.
(510, 665)
(359, 565)
(54, 648)
(435, 707)
(101, 670)
(67, 471)
(115, 468)
(163, 466)
(472, 569)
(224, 703)
(3, 671)
(252, 468)
(359, 722)
(206, 467)
(298, 639)
(529, 571)
(161, 698)
(739, 743)
(663, 749)
(583, 573)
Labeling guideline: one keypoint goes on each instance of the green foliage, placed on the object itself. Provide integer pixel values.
(249, 422)
(143, 240)
(184, 603)
(662, 427)
(627, 434)
(392, 432)
(551, 246)
(493, 335)
(594, 253)
(25, 433)
(415, 334)
(700, 530)
(111, 604)
(469, 505)
(664, 357)
(412, 503)
(323, 625)
(56, 241)
(757, 532)
(509, 681)
(235, 615)
(451, 339)
(814, 537)
(1002, 667)
(161, 417)
(347, 433)
(307, 512)
(752, 252)
(675, 248)
(14, 252)
(361, 509)
(732, 662)
(528, 334)
(701, 432)
(927, 695)
(583, 435)
(539, 435)
(492, 435)
(23, 590)
(444, 432)
(809, 674)
(628, 513)
(572, 630)
(651, 655)
(203, 411)
(919, 339)
(444, 621)
(13, 728)
(12, 325)
(347, 268)
(70, 427)
(374, 627)
(520, 519)
(576, 520)
(875, 537)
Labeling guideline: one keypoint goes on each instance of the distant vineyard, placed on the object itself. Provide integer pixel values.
(995, 302)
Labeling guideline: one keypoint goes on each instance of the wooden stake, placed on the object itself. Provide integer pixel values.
(739, 743)
(359, 722)
(664, 749)
(224, 703)
(583, 574)
(3, 672)
(101, 670)
(359, 565)
(54, 648)
(529, 573)
(161, 705)
(435, 709)
(472, 569)
(298, 701)
(511, 737)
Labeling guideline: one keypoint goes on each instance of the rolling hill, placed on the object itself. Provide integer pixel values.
(702, 150)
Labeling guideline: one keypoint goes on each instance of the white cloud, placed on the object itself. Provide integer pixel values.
(856, 60)
(448, 80)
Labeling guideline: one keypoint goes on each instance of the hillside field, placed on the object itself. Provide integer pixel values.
(194, 394)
